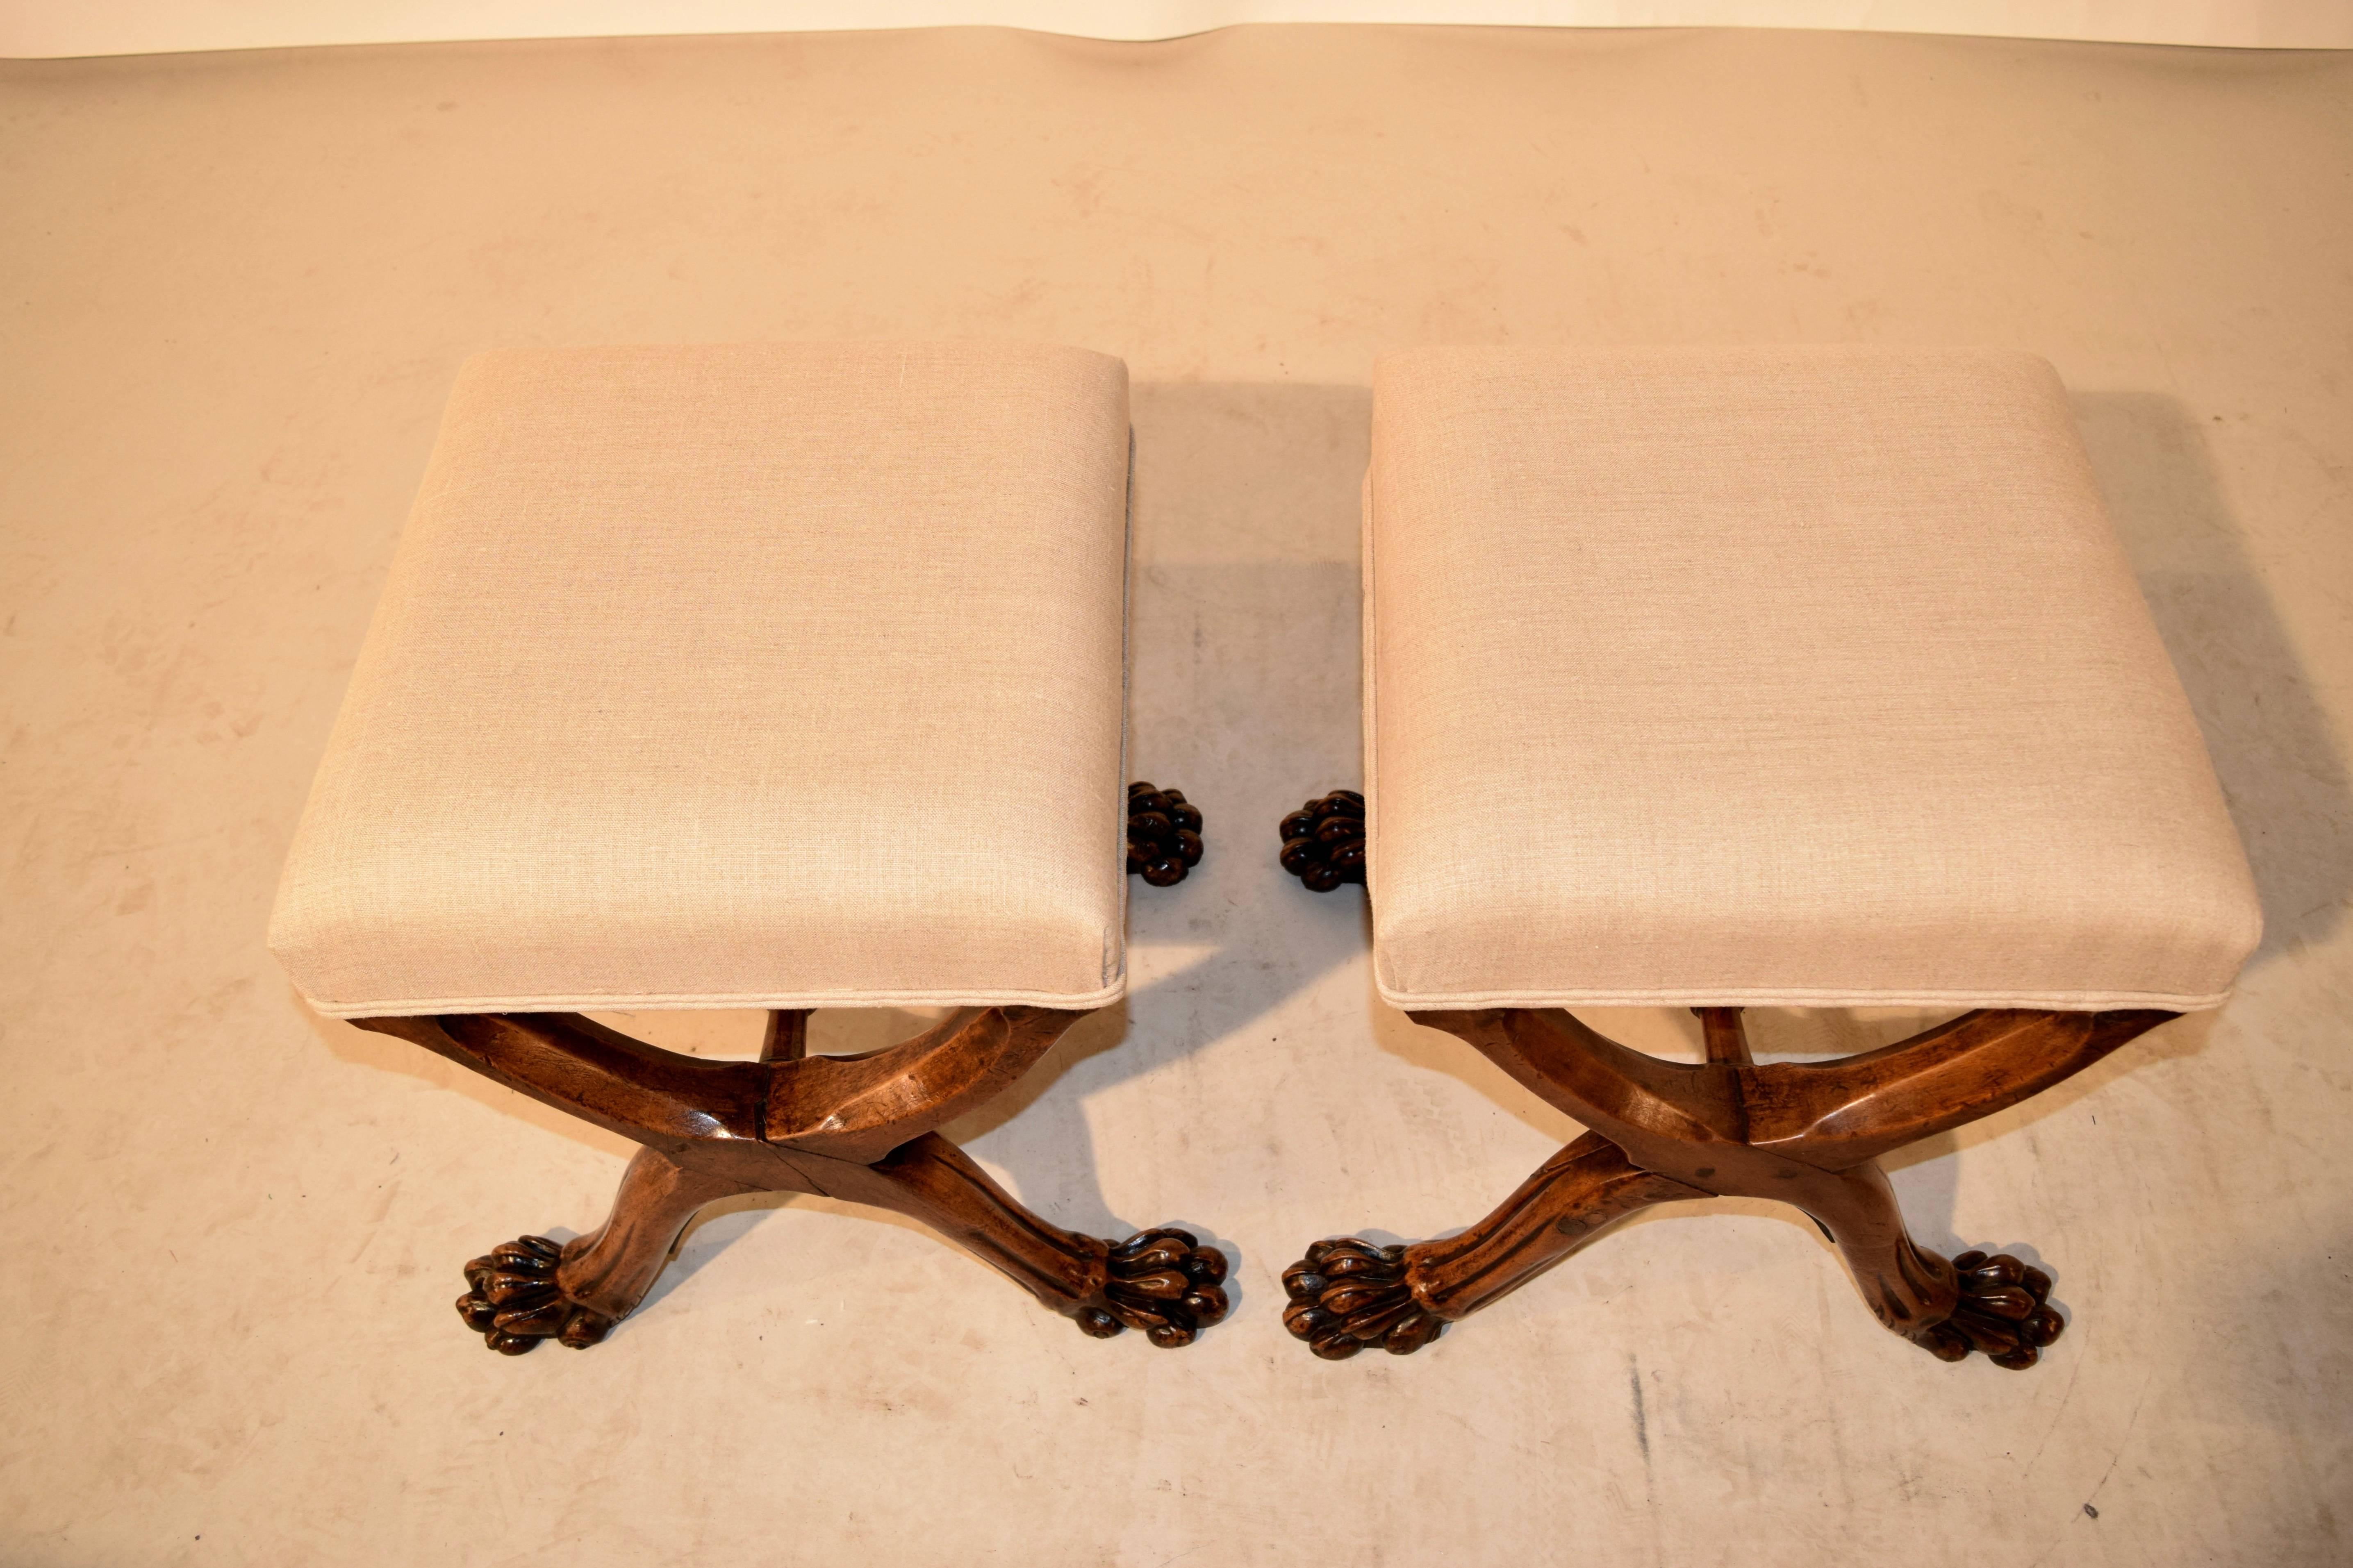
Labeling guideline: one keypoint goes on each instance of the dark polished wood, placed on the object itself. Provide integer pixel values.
(787, 1038)
(1324, 841)
(859, 1128)
(1164, 834)
(1806, 1134)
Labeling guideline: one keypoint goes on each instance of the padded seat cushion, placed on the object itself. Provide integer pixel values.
(740, 677)
(1771, 677)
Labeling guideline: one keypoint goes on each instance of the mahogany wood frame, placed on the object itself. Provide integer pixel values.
(857, 1127)
(1664, 1132)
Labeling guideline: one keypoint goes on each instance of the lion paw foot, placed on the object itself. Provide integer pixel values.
(1163, 1283)
(2004, 1312)
(513, 1301)
(1164, 834)
(1347, 1293)
(1324, 841)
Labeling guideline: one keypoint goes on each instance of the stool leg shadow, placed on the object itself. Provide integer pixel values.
(860, 1129)
(1810, 1135)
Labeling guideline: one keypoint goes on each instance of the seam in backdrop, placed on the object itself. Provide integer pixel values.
(42, 29)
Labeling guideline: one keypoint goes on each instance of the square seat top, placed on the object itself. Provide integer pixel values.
(1771, 677)
(738, 677)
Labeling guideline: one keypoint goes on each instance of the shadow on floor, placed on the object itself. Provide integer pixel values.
(2281, 765)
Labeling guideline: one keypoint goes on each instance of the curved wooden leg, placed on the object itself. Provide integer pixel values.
(1994, 1304)
(1805, 1135)
(855, 1128)
(531, 1288)
(610, 1270)
(1348, 1293)
(1163, 1282)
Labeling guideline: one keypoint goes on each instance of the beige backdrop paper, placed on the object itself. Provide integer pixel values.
(236, 289)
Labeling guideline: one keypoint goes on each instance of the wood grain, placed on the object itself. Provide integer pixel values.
(1805, 1134)
(856, 1128)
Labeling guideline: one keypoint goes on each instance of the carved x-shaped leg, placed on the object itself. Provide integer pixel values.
(1662, 1131)
(860, 1129)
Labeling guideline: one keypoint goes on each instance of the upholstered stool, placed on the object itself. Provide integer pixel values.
(1777, 678)
(779, 678)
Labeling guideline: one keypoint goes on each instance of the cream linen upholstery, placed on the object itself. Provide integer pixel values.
(753, 677)
(1794, 677)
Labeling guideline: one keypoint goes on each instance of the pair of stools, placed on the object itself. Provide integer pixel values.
(793, 677)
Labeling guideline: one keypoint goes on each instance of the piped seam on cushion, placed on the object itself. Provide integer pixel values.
(712, 1001)
(2055, 1001)
(1370, 716)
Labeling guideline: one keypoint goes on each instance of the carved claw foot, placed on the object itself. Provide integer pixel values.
(1164, 1283)
(513, 1303)
(1347, 1293)
(2004, 1312)
(1164, 834)
(1324, 841)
